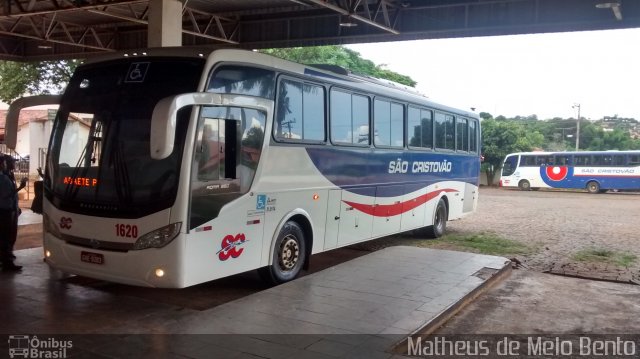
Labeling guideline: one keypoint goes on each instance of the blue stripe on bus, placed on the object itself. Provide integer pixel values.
(579, 181)
(354, 168)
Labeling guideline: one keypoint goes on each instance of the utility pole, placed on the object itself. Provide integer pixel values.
(578, 127)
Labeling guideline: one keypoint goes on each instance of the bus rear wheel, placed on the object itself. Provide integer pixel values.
(524, 185)
(289, 255)
(439, 221)
(593, 187)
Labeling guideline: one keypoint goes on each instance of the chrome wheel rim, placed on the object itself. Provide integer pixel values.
(289, 253)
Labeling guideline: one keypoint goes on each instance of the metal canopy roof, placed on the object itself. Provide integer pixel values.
(54, 29)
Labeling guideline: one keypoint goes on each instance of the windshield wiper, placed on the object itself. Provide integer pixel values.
(121, 176)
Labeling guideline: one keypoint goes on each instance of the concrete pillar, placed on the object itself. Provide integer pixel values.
(165, 23)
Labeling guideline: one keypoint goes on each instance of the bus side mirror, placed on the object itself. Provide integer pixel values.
(11, 126)
(163, 120)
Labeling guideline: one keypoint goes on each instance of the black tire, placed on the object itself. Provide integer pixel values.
(440, 216)
(289, 255)
(593, 187)
(524, 185)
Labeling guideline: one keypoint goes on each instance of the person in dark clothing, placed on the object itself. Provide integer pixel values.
(11, 166)
(9, 212)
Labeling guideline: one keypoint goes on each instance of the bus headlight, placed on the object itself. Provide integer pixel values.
(158, 238)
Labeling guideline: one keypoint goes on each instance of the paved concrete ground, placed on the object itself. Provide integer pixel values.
(536, 303)
(359, 308)
(28, 217)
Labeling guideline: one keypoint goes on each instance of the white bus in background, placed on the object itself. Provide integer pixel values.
(200, 165)
(595, 171)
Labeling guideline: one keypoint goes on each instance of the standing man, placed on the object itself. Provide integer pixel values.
(9, 212)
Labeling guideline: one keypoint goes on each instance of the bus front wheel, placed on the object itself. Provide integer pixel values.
(524, 185)
(593, 187)
(289, 255)
(439, 221)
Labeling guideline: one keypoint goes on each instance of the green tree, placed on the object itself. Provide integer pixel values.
(499, 138)
(341, 56)
(18, 79)
(485, 115)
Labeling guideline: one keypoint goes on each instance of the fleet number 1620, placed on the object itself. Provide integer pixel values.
(126, 230)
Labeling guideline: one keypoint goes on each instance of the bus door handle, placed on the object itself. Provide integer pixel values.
(336, 218)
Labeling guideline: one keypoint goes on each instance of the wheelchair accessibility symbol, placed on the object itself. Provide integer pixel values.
(137, 72)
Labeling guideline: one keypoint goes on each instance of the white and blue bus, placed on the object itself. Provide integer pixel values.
(173, 167)
(595, 171)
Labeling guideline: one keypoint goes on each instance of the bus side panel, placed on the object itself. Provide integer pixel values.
(228, 244)
(470, 198)
(454, 191)
(387, 210)
(355, 225)
(413, 211)
(332, 226)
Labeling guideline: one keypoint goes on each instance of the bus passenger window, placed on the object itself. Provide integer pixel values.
(528, 161)
(597, 160)
(562, 160)
(619, 160)
(361, 119)
(300, 112)
(544, 160)
(349, 118)
(382, 123)
(462, 135)
(243, 80)
(420, 128)
(388, 124)
(582, 160)
(473, 136)
(445, 132)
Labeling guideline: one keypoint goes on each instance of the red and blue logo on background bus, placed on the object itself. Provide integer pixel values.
(552, 175)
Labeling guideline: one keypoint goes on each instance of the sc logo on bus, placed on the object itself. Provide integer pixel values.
(230, 246)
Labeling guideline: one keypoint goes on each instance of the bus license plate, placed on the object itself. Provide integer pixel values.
(90, 257)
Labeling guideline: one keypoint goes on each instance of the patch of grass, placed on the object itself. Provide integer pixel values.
(606, 256)
(485, 243)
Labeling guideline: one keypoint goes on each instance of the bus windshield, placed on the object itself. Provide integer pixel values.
(99, 160)
(510, 165)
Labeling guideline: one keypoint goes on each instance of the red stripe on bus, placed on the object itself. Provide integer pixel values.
(388, 210)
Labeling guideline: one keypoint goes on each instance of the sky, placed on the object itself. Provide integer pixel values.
(541, 74)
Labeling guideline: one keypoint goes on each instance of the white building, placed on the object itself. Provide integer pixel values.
(34, 130)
